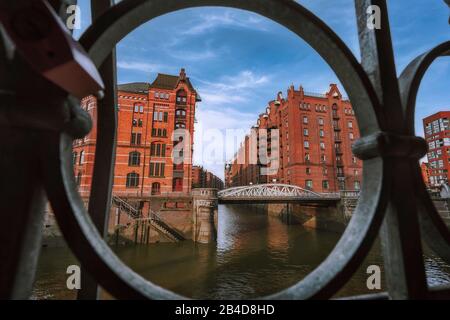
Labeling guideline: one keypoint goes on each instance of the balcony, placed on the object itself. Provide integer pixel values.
(338, 151)
(336, 116)
(336, 128)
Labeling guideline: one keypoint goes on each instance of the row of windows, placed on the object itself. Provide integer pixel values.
(306, 145)
(318, 107)
(306, 132)
(323, 158)
(325, 171)
(437, 126)
(159, 132)
(437, 164)
(326, 185)
(133, 182)
(437, 153)
(160, 116)
(75, 158)
(180, 113)
(134, 158)
(158, 149)
(181, 99)
(321, 121)
(162, 95)
(138, 108)
(136, 138)
(157, 169)
(439, 143)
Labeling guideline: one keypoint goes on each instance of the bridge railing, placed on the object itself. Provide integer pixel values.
(349, 194)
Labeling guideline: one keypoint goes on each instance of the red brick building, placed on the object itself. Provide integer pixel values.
(437, 135)
(202, 178)
(148, 115)
(425, 173)
(316, 132)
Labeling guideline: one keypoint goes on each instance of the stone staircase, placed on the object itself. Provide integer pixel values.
(154, 220)
(158, 223)
(126, 207)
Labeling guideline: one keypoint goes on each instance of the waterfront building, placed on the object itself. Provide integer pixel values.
(202, 178)
(437, 134)
(315, 136)
(148, 115)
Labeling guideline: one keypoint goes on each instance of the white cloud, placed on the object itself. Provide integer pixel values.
(221, 125)
(209, 22)
(139, 66)
(192, 55)
(230, 90)
(212, 133)
(214, 98)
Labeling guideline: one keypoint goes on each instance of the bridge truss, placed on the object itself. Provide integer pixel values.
(273, 191)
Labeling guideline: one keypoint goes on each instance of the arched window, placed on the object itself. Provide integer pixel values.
(181, 97)
(156, 188)
(134, 159)
(132, 180)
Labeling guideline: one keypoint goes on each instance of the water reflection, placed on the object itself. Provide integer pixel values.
(255, 255)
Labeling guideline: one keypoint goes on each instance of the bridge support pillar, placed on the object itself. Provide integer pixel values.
(204, 211)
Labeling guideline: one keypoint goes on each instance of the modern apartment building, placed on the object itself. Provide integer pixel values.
(437, 134)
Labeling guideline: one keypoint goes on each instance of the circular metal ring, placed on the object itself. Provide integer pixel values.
(434, 230)
(346, 257)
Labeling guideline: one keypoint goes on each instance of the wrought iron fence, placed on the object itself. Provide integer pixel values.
(40, 118)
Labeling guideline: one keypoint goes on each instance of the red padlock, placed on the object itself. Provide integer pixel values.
(45, 43)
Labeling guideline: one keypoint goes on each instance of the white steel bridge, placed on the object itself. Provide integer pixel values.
(275, 192)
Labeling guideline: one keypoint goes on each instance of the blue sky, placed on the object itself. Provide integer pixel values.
(238, 61)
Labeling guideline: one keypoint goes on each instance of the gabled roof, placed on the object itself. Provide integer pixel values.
(169, 82)
(162, 81)
(135, 87)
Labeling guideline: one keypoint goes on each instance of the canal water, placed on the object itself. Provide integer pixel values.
(255, 255)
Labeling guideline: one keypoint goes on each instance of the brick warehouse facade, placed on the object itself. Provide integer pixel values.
(202, 178)
(148, 115)
(316, 132)
(437, 135)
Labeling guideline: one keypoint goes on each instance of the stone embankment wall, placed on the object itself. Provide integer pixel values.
(328, 218)
(190, 217)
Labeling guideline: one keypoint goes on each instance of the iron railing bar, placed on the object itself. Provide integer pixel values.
(102, 181)
(402, 250)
